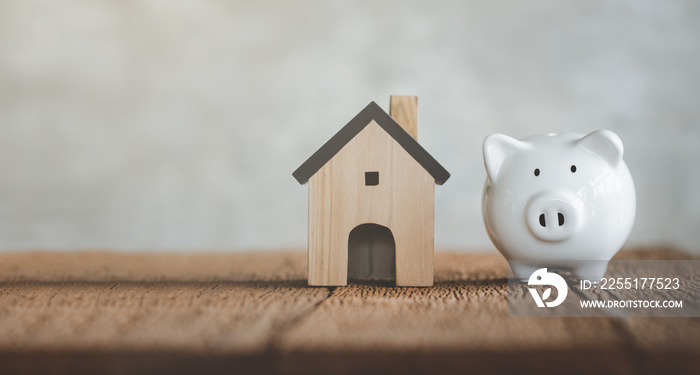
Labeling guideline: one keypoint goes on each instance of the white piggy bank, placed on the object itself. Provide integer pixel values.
(562, 201)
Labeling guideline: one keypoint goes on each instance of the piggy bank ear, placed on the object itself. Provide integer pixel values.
(605, 144)
(498, 148)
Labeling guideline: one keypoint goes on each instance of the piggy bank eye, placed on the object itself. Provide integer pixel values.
(573, 169)
(537, 171)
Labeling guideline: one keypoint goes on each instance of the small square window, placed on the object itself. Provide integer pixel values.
(371, 178)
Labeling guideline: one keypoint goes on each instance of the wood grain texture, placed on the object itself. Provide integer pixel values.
(403, 201)
(404, 110)
(110, 313)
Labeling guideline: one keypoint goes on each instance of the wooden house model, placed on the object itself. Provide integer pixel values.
(372, 199)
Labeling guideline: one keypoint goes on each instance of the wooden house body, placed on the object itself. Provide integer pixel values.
(372, 201)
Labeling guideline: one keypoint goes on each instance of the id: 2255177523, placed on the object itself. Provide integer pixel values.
(636, 283)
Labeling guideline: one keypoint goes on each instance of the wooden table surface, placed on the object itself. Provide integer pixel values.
(118, 313)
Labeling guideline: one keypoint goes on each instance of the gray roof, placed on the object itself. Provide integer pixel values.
(354, 127)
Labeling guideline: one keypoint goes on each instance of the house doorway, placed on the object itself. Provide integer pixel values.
(371, 253)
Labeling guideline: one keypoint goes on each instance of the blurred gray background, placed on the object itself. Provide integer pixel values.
(176, 125)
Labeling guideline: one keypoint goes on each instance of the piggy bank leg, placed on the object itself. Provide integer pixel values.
(522, 271)
(592, 270)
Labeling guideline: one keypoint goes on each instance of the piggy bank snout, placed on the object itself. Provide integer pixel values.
(554, 217)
